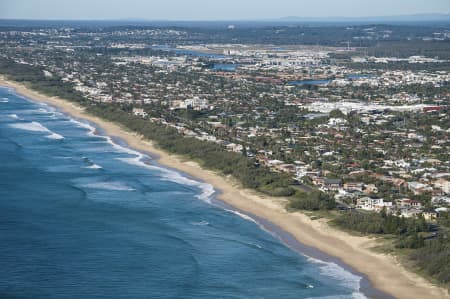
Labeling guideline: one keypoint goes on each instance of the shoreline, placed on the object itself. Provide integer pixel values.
(383, 271)
(278, 233)
(310, 252)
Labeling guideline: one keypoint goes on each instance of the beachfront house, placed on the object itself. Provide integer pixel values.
(372, 204)
(139, 112)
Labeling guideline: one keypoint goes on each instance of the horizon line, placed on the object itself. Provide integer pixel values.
(273, 19)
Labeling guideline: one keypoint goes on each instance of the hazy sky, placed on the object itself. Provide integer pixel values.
(213, 9)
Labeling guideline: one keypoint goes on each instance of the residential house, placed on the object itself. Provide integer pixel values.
(139, 112)
(443, 184)
(372, 204)
(332, 184)
(430, 215)
(353, 186)
(410, 203)
(418, 188)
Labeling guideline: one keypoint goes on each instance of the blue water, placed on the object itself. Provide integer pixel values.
(189, 52)
(199, 54)
(227, 67)
(84, 217)
(310, 82)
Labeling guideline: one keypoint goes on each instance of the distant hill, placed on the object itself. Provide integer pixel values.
(444, 17)
(423, 19)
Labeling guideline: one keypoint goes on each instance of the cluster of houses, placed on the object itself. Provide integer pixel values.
(240, 111)
(363, 196)
(194, 103)
(405, 207)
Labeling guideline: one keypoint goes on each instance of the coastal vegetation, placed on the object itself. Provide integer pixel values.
(433, 258)
(427, 249)
(426, 246)
(282, 143)
(381, 223)
(312, 201)
(209, 155)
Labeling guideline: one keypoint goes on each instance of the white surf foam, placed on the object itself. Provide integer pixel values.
(55, 136)
(168, 174)
(14, 116)
(251, 219)
(201, 223)
(33, 126)
(94, 166)
(113, 186)
(358, 295)
(37, 127)
(37, 111)
(352, 296)
(47, 108)
(4, 100)
(257, 245)
(138, 160)
(244, 216)
(329, 269)
(84, 125)
(125, 149)
(91, 165)
(343, 276)
(173, 176)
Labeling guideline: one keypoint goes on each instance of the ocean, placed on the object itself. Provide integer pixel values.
(84, 216)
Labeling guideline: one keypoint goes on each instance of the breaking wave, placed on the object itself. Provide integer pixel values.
(138, 160)
(32, 126)
(200, 223)
(341, 275)
(55, 136)
(94, 166)
(37, 127)
(112, 186)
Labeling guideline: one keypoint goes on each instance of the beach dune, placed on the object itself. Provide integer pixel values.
(383, 271)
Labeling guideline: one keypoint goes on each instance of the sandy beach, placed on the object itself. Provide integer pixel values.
(383, 271)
